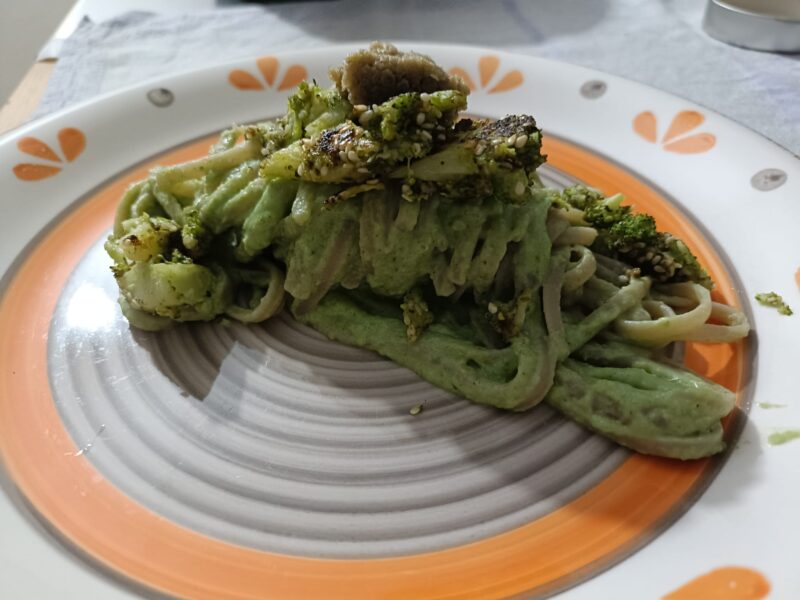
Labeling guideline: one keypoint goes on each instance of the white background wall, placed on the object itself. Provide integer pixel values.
(25, 25)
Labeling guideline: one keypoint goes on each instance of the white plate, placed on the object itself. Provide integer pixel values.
(267, 461)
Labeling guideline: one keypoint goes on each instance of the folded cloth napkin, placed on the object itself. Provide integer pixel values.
(659, 43)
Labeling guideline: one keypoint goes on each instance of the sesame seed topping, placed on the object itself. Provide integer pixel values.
(492, 307)
(352, 156)
(420, 118)
(360, 108)
(511, 140)
(521, 141)
(365, 118)
(425, 135)
(519, 189)
(363, 170)
(659, 269)
(656, 259)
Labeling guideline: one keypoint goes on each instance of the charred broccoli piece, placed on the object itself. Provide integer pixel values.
(634, 238)
(486, 157)
(157, 279)
(774, 300)
(311, 110)
(144, 238)
(386, 135)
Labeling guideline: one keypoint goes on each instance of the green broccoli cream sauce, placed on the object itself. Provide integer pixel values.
(782, 437)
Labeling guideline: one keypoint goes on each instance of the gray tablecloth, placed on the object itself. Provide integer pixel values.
(657, 42)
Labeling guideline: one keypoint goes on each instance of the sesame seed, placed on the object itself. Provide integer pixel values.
(521, 141)
(649, 255)
(656, 259)
(342, 156)
(417, 148)
(415, 410)
(360, 108)
(519, 189)
(363, 170)
(365, 118)
(441, 137)
(323, 171)
(420, 118)
(424, 96)
(406, 188)
(352, 156)
(659, 269)
(511, 140)
(622, 279)
(428, 125)
(492, 307)
(301, 170)
(425, 135)
(479, 149)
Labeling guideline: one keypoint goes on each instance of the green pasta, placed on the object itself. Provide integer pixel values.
(384, 220)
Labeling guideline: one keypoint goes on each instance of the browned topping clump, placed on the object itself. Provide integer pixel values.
(373, 76)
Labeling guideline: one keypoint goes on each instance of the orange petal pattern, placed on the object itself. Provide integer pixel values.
(645, 125)
(31, 172)
(294, 75)
(693, 144)
(268, 65)
(72, 142)
(244, 81)
(726, 583)
(487, 66)
(459, 72)
(509, 81)
(37, 148)
(684, 121)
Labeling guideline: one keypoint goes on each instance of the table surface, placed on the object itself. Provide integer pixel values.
(25, 98)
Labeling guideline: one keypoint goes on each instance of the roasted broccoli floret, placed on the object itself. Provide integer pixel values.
(181, 291)
(416, 315)
(634, 238)
(144, 238)
(775, 301)
(384, 136)
(313, 109)
(486, 157)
